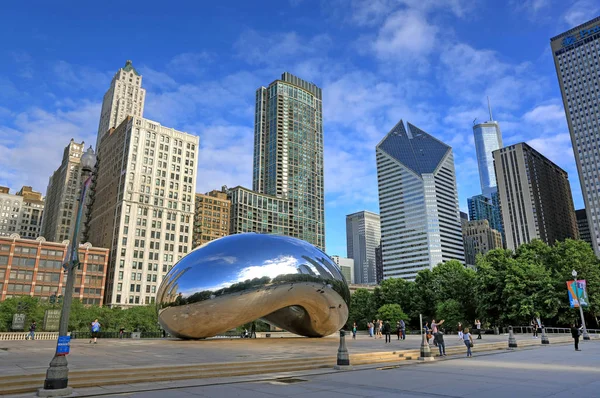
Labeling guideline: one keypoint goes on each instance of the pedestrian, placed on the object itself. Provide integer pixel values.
(121, 332)
(575, 332)
(380, 328)
(373, 328)
(95, 327)
(354, 331)
(253, 330)
(478, 327)
(534, 326)
(31, 335)
(460, 331)
(427, 331)
(468, 339)
(398, 329)
(434, 329)
(403, 329)
(387, 330)
(439, 339)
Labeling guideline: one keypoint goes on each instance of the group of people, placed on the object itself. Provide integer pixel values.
(378, 328)
(437, 334)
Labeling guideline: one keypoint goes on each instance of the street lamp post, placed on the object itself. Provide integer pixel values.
(585, 333)
(57, 375)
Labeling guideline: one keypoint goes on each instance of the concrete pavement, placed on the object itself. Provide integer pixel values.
(549, 371)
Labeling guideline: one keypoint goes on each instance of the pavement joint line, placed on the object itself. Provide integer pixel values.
(293, 374)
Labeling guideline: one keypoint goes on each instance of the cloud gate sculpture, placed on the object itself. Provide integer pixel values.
(237, 279)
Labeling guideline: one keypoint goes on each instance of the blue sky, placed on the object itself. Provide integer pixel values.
(430, 62)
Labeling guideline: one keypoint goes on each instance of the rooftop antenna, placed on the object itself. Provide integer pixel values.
(474, 120)
(490, 109)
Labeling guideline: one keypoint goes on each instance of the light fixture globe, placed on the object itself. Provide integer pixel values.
(237, 279)
(88, 160)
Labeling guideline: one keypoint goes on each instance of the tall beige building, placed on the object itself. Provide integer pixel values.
(479, 238)
(125, 97)
(62, 195)
(142, 206)
(211, 218)
(10, 210)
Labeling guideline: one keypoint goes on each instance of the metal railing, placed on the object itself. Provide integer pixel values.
(547, 329)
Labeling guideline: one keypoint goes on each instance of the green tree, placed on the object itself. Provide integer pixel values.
(391, 313)
(361, 310)
(452, 312)
(489, 285)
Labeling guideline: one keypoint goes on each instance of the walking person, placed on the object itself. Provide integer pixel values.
(373, 328)
(468, 339)
(439, 339)
(398, 330)
(478, 327)
(387, 330)
(31, 335)
(460, 331)
(575, 332)
(354, 331)
(253, 330)
(403, 329)
(534, 326)
(380, 328)
(95, 327)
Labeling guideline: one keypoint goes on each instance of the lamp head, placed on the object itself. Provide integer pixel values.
(574, 273)
(88, 160)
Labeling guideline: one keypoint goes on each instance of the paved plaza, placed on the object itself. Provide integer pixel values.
(550, 371)
(30, 357)
(555, 370)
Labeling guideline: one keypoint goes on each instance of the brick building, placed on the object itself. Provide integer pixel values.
(34, 268)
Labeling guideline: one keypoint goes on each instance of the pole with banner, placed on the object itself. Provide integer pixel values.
(578, 298)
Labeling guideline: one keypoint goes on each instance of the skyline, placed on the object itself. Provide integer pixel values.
(358, 57)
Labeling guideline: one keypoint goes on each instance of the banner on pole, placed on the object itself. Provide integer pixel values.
(577, 291)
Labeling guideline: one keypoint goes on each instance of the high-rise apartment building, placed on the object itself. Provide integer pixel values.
(62, 196)
(288, 152)
(378, 264)
(582, 226)
(576, 54)
(418, 202)
(211, 218)
(535, 197)
(32, 212)
(482, 207)
(257, 212)
(125, 97)
(142, 206)
(479, 238)
(363, 235)
(35, 268)
(346, 266)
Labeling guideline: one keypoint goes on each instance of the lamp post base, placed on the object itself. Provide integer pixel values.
(586, 337)
(62, 392)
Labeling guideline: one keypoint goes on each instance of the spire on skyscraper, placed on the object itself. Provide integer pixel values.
(490, 109)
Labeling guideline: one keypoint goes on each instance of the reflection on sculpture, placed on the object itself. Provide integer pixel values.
(225, 283)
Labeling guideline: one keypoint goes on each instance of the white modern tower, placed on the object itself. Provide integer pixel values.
(576, 54)
(363, 234)
(418, 202)
(125, 97)
(488, 138)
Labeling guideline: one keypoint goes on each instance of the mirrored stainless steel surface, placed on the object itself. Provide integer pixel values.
(237, 279)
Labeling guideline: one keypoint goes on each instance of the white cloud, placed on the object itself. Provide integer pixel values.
(32, 150)
(557, 148)
(546, 114)
(277, 48)
(405, 34)
(79, 77)
(191, 63)
(581, 11)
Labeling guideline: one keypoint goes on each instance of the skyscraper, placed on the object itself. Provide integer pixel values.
(32, 212)
(488, 138)
(576, 54)
(482, 207)
(62, 196)
(211, 217)
(479, 238)
(363, 235)
(418, 202)
(346, 266)
(583, 226)
(535, 197)
(288, 152)
(142, 206)
(125, 97)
